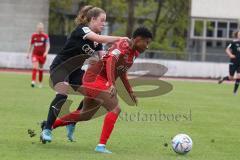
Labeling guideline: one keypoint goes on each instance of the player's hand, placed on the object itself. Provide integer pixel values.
(232, 56)
(112, 91)
(44, 54)
(125, 38)
(134, 98)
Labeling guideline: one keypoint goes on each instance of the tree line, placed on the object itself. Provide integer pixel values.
(167, 19)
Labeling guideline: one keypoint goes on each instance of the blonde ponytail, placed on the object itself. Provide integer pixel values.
(87, 13)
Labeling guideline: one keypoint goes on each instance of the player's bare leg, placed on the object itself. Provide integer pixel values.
(113, 108)
(34, 73)
(40, 75)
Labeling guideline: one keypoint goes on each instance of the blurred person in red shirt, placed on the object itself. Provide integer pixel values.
(38, 49)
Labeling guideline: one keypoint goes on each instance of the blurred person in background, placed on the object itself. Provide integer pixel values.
(233, 52)
(38, 50)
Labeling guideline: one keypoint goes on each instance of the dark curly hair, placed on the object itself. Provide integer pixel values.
(142, 32)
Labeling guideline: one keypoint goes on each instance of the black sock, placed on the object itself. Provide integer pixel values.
(54, 109)
(236, 85)
(80, 106)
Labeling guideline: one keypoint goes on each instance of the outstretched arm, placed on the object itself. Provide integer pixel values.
(30, 47)
(103, 38)
(128, 87)
(229, 52)
(110, 70)
(47, 48)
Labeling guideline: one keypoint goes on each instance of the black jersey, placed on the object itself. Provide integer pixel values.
(78, 44)
(234, 46)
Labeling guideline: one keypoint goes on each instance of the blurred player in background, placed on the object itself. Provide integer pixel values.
(38, 50)
(84, 40)
(233, 51)
(99, 85)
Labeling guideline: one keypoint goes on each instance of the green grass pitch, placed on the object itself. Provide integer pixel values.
(208, 112)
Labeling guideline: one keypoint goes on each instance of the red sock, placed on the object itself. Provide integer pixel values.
(109, 121)
(59, 122)
(70, 118)
(40, 76)
(34, 72)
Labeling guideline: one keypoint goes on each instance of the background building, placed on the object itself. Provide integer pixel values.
(18, 20)
(212, 25)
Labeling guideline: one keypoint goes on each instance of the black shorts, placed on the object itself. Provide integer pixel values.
(234, 67)
(63, 71)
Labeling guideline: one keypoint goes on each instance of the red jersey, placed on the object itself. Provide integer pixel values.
(39, 42)
(114, 64)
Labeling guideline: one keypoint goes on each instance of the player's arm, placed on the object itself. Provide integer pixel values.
(229, 51)
(47, 47)
(86, 33)
(128, 87)
(110, 69)
(30, 48)
(103, 38)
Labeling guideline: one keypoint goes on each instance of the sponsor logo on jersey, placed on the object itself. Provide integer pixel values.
(95, 44)
(36, 44)
(87, 49)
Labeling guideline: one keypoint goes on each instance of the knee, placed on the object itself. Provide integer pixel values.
(85, 117)
(117, 110)
(61, 88)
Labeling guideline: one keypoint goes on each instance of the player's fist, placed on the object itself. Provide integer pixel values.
(112, 91)
(44, 54)
(134, 98)
(232, 56)
(125, 38)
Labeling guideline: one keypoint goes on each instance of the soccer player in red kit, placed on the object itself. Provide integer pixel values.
(99, 84)
(39, 48)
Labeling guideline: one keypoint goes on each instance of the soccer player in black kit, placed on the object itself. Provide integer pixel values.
(233, 51)
(83, 42)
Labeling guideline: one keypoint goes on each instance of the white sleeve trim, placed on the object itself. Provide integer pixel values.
(86, 30)
(229, 45)
(85, 36)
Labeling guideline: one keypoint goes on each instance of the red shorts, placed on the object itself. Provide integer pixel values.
(92, 89)
(39, 59)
